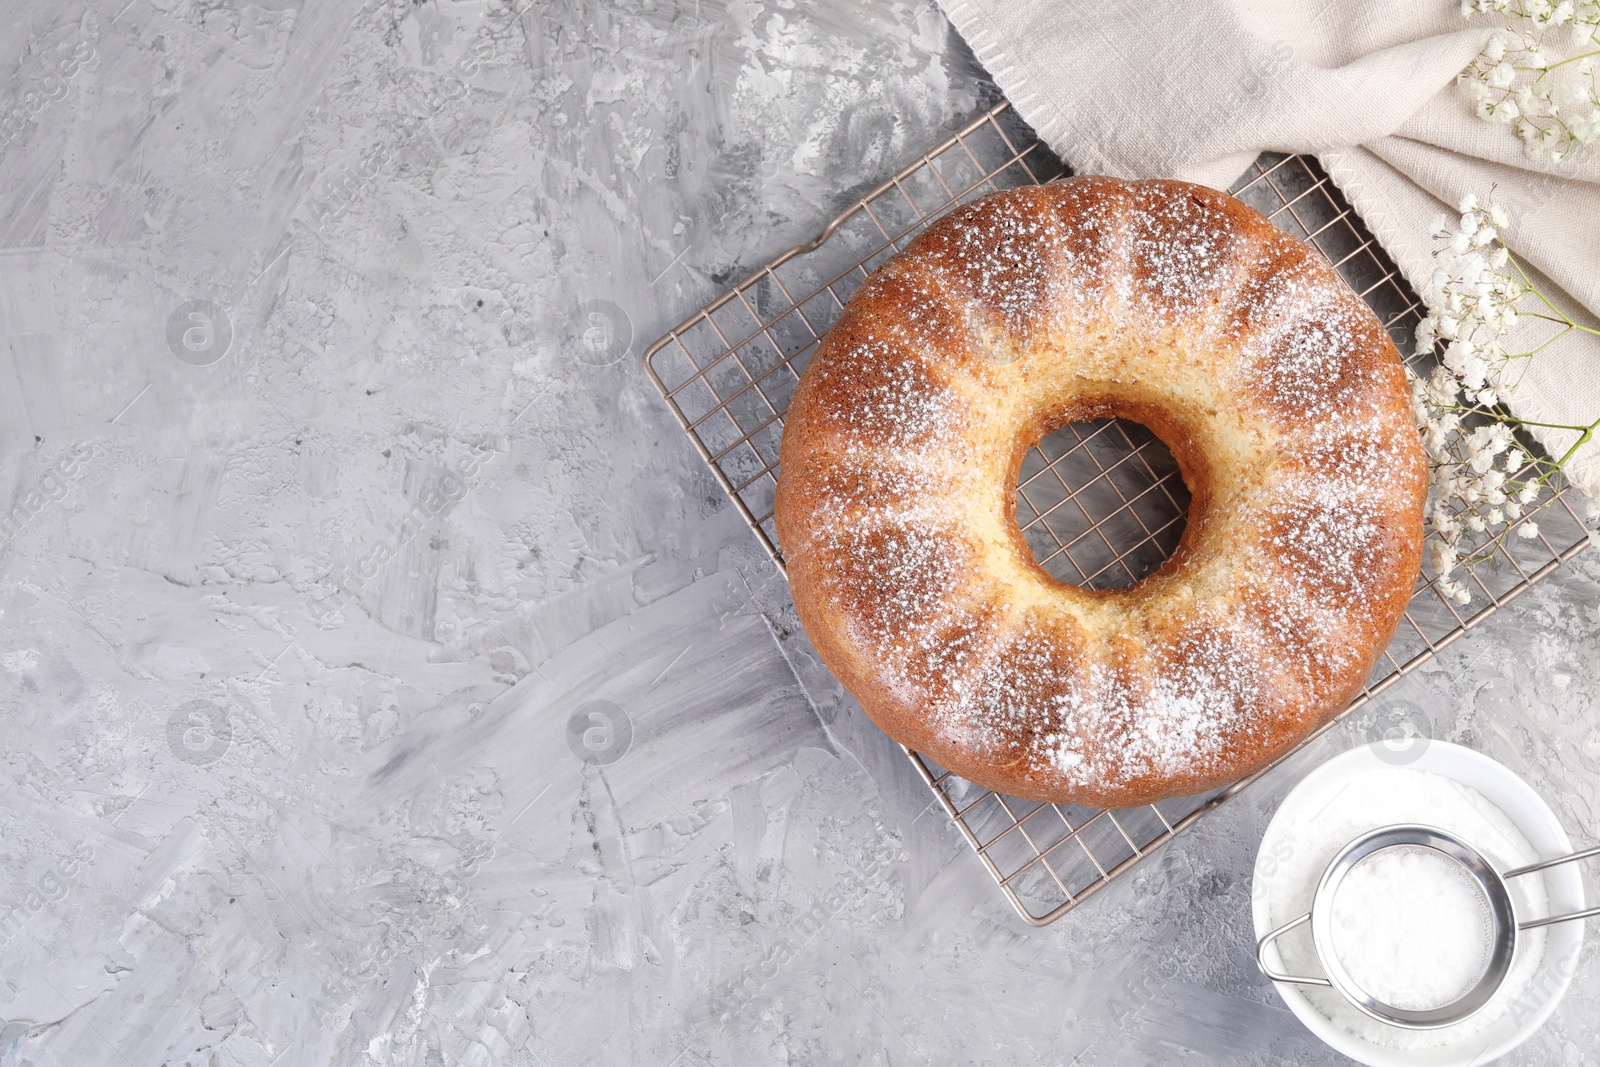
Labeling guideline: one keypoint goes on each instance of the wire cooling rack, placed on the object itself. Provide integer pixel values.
(1100, 503)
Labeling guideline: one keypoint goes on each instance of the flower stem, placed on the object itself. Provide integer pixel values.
(1588, 431)
(1587, 436)
(1534, 289)
(1571, 59)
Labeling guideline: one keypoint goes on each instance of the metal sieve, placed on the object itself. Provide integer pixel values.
(1504, 925)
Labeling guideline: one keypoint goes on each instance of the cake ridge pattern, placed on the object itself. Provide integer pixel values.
(1281, 397)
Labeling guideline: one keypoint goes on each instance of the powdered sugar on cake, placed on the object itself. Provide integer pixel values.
(1183, 249)
(1283, 597)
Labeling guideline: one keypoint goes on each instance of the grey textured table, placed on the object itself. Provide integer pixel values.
(384, 678)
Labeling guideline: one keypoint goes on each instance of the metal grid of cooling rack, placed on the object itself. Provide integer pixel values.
(1100, 503)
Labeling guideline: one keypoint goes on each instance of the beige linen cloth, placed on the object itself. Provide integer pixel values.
(1195, 89)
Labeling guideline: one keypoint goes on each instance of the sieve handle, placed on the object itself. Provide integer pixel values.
(1277, 976)
(1551, 920)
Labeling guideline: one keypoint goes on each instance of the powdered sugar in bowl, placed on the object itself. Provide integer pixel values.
(1448, 794)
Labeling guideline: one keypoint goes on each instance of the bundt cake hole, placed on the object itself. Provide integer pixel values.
(1101, 503)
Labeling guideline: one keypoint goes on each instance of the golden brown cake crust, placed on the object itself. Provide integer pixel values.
(1172, 305)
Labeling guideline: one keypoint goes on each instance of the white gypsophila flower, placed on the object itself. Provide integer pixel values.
(1482, 478)
(1525, 79)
